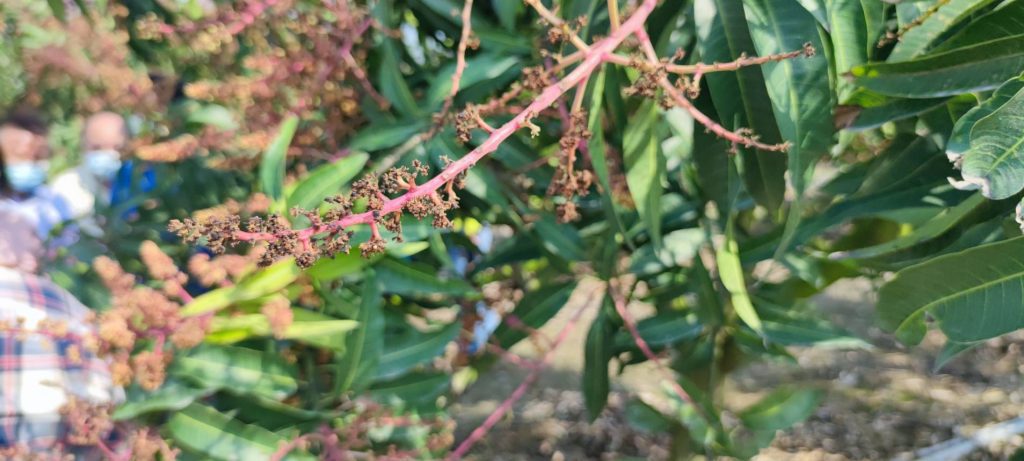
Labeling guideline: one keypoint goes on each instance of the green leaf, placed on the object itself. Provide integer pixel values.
(408, 279)
(201, 429)
(645, 167)
(659, 331)
(58, 10)
(307, 326)
(479, 68)
(173, 395)
(535, 309)
(951, 350)
(848, 31)
(995, 160)
(597, 351)
(731, 272)
(1000, 22)
(415, 389)
(393, 85)
(507, 12)
(897, 109)
(599, 151)
(238, 370)
(365, 345)
(740, 98)
(960, 138)
(326, 180)
(974, 67)
(919, 38)
(340, 265)
(942, 224)
(415, 348)
(272, 165)
(781, 409)
(214, 115)
(973, 295)
(798, 87)
(264, 282)
(382, 136)
(560, 239)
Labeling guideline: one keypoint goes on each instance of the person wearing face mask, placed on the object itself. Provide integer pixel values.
(24, 163)
(83, 187)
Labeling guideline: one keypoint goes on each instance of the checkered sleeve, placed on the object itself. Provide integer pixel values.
(40, 368)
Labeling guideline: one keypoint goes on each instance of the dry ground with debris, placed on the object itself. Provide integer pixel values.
(882, 403)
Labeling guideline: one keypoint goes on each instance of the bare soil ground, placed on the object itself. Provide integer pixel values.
(882, 403)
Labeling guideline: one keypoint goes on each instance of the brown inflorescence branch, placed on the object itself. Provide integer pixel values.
(739, 137)
(332, 235)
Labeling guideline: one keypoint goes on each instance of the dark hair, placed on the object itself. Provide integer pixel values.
(25, 119)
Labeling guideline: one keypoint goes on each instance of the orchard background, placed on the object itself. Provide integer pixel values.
(349, 215)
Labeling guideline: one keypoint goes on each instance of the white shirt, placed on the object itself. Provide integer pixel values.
(80, 190)
(44, 210)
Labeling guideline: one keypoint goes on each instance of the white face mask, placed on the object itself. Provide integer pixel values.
(103, 163)
(27, 176)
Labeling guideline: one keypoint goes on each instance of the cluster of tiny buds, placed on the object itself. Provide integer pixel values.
(569, 182)
(326, 236)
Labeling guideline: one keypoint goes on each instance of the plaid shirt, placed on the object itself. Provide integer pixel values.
(39, 371)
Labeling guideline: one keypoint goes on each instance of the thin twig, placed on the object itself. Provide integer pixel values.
(613, 14)
(460, 60)
(557, 22)
(680, 100)
(620, 306)
(518, 393)
(702, 68)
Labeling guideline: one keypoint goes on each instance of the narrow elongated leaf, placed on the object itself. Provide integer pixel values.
(781, 409)
(596, 353)
(974, 295)
(326, 180)
(272, 165)
(599, 151)
(917, 40)
(960, 139)
(898, 109)
(560, 239)
(731, 272)
(536, 308)
(262, 283)
(659, 331)
(414, 349)
(415, 280)
(380, 136)
(740, 98)
(414, 389)
(479, 68)
(974, 67)
(849, 40)
(392, 82)
(238, 370)
(307, 326)
(204, 430)
(171, 396)
(1004, 21)
(798, 87)
(645, 167)
(365, 345)
(995, 160)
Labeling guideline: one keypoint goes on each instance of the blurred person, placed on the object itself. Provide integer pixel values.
(48, 371)
(24, 164)
(82, 188)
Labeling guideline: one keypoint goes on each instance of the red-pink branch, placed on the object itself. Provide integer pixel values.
(700, 117)
(594, 57)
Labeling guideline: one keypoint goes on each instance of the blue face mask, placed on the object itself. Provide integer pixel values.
(103, 164)
(26, 177)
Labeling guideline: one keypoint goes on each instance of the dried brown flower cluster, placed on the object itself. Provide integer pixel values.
(172, 150)
(278, 57)
(328, 234)
(569, 182)
(91, 62)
